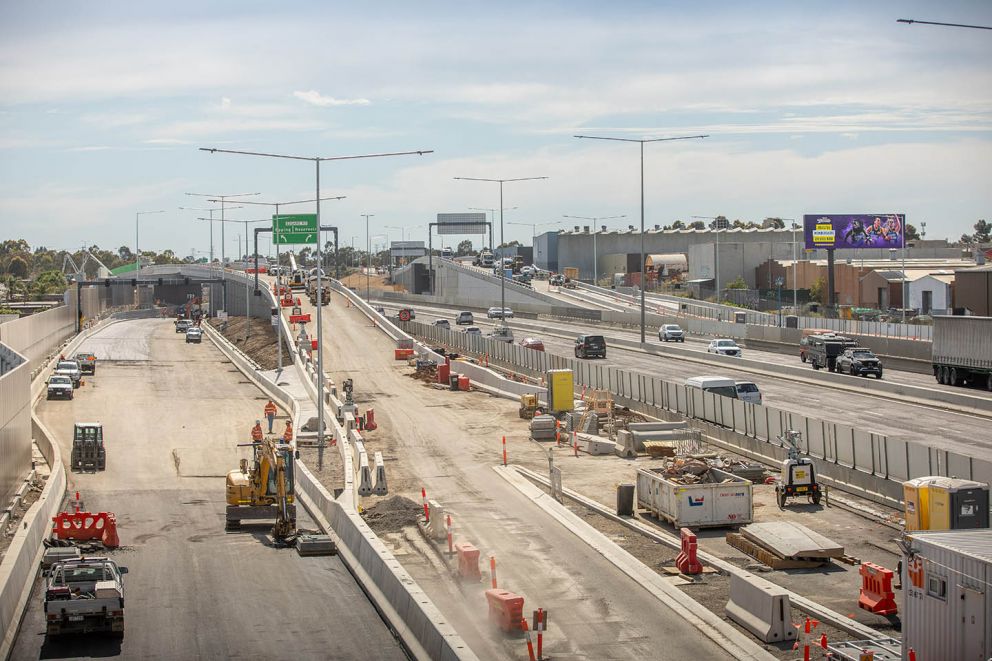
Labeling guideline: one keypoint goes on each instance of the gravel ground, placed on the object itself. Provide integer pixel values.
(392, 514)
(260, 344)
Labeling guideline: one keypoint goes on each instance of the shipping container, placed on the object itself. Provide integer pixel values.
(957, 504)
(962, 351)
(948, 608)
(723, 499)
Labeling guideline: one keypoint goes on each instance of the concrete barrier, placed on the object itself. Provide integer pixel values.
(760, 607)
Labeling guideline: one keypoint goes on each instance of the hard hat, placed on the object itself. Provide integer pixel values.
(258, 422)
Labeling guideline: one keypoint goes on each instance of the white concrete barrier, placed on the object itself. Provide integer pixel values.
(760, 607)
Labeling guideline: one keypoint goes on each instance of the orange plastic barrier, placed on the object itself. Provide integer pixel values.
(468, 561)
(687, 562)
(403, 354)
(86, 526)
(506, 610)
(463, 382)
(876, 590)
(443, 372)
(286, 302)
(299, 318)
(370, 420)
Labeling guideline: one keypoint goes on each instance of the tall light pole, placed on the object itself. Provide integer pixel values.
(502, 280)
(492, 220)
(368, 258)
(595, 252)
(223, 202)
(641, 141)
(137, 251)
(795, 269)
(247, 293)
(211, 210)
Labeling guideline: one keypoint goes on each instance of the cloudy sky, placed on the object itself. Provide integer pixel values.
(813, 107)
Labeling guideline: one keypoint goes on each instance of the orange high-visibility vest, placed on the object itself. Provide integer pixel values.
(270, 409)
(288, 434)
(256, 433)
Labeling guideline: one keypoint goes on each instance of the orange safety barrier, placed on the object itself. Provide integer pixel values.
(876, 590)
(463, 382)
(403, 354)
(506, 610)
(443, 372)
(687, 562)
(286, 302)
(299, 318)
(86, 526)
(370, 420)
(468, 561)
(313, 345)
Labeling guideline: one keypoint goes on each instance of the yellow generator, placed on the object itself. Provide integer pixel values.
(263, 488)
(528, 406)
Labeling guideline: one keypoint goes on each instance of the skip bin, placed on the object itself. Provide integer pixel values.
(722, 499)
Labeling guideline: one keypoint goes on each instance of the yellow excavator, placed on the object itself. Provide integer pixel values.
(264, 489)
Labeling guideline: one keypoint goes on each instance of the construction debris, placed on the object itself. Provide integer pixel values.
(392, 514)
(542, 428)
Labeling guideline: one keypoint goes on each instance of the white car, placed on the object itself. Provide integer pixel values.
(442, 323)
(502, 334)
(499, 313)
(194, 335)
(671, 332)
(472, 330)
(725, 348)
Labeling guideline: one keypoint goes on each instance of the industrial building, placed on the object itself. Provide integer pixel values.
(974, 290)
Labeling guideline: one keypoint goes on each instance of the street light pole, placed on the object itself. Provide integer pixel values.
(368, 258)
(492, 219)
(595, 251)
(502, 280)
(641, 142)
(223, 201)
(137, 251)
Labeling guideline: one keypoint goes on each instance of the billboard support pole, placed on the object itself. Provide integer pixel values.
(831, 303)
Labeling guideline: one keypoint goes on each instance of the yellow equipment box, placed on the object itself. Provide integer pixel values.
(561, 393)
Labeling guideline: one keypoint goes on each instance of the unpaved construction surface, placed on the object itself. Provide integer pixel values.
(260, 343)
(392, 514)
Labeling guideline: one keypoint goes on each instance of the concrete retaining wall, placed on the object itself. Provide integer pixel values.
(15, 421)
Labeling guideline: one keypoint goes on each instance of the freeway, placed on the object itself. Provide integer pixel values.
(172, 414)
(967, 434)
(448, 444)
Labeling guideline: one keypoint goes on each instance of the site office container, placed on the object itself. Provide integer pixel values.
(957, 504)
(948, 608)
(724, 501)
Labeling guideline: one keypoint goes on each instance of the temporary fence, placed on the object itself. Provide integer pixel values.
(862, 461)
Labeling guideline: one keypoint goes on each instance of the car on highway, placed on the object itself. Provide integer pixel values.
(59, 387)
(499, 313)
(87, 362)
(464, 318)
(590, 346)
(501, 334)
(725, 348)
(69, 368)
(532, 343)
(194, 335)
(859, 361)
(442, 323)
(472, 330)
(183, 325)
(671, 333)
(746, 391)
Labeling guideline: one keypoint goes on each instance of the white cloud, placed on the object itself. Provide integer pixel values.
(315, 98)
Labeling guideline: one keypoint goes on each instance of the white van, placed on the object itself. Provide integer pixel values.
(721, 385)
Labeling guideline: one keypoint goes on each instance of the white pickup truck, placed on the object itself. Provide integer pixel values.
(84, 595)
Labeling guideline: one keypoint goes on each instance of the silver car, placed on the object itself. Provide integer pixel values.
(472, 330)
(725, 348)
(69, 368)
(671, 333)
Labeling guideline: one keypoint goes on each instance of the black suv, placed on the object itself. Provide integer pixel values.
(859, 361)
(590, 346)
(823, 351)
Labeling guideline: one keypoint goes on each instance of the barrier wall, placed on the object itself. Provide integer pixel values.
(15, 421)
(37, 335)
(867, 463)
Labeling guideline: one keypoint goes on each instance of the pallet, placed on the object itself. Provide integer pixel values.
(738, 541)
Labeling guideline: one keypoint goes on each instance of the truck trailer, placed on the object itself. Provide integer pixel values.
(962, 351)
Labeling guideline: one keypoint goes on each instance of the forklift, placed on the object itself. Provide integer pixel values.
(88, 452)
(798, 473)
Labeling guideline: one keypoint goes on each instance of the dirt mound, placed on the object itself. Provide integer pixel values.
(393, 514)
(260, 344)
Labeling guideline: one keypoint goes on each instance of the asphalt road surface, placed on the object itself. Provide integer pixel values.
(172, 415)
(448, 443)
(959, 432)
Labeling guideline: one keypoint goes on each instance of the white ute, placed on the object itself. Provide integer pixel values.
(85, 595)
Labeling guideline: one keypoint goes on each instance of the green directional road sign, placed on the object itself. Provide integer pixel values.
(294, 228)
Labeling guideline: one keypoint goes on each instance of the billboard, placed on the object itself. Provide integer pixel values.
(461, 223)
(858, 230)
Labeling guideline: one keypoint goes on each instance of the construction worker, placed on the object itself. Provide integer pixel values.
(256, 431)
(270, 413)
(287, 436)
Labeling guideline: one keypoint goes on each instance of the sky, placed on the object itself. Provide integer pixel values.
(812, 107)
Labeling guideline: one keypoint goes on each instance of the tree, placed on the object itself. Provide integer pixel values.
(125, 254)
(49, 282)
(678, 225)
(983, 231)
(17, 267)
(464, 248)
(697, 225)
(818, 291)
(774, 223)
(737, 283)
(719, 221)
(911, 233)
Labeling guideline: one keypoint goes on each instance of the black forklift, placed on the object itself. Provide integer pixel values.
(88, 452)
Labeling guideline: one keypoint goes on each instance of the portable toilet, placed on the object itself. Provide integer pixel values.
(917, 502)
(957, 504)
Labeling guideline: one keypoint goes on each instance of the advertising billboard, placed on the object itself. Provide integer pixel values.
(857, 230)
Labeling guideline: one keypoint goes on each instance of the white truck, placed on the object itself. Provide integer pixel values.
(84, 595)
(962, 351)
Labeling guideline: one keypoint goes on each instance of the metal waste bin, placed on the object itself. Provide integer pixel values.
(625, 500)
